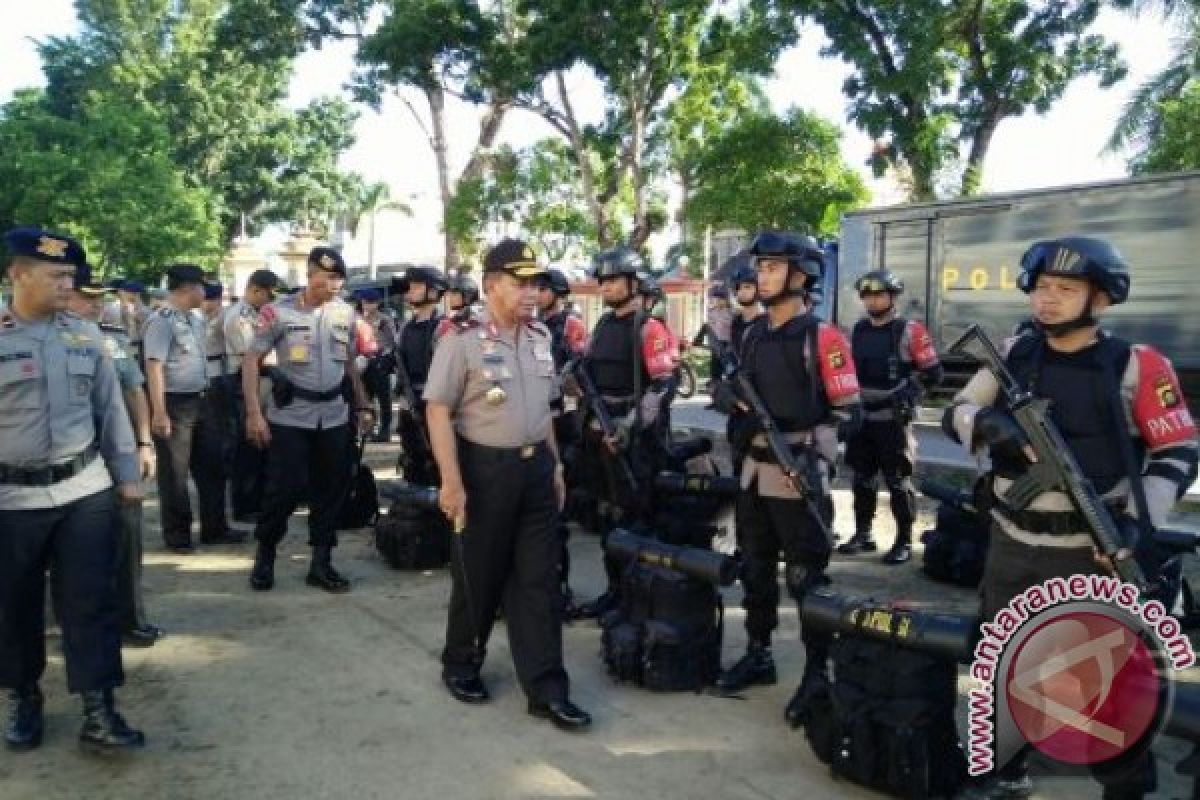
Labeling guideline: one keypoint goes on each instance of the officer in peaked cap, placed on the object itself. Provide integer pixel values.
(488, 404)
(65, 441)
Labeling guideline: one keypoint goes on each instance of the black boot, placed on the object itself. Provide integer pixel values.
(262, 577)
(24, 730)
(860, 542)
(901, 550)
(321, 573)
(104, 730)
(812, 684)
(598, 607)
(755, 668)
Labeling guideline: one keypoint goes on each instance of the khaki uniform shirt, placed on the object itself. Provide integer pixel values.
(497, 387)
(214, 344)
(312, 346)
(60, 395)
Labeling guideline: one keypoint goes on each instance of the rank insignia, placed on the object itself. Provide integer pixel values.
(52, 247)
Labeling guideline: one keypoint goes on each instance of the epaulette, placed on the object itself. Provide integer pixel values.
(538, 327)
(465, 323)
(107, 327)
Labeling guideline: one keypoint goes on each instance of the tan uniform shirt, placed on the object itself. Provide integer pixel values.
(497, 384)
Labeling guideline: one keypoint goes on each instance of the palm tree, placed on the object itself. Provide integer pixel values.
(372, 199)
(1141, 120)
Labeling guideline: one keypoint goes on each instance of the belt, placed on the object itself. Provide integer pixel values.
(215, 358)
(46, 476)
(317, 397)
(1051, 523)
(523, 453)
(766, 455)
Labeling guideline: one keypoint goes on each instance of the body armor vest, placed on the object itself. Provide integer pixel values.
(416, 348)
(611, 355)
(1081, 403)
(557, 325)
(877, 358)
(790, 386)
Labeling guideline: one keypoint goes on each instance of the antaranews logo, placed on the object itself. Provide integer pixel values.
(1079, 668)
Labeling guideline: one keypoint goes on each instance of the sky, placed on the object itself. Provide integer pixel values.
(1062, 147)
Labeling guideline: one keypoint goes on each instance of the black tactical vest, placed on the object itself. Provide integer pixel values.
(876, 351)
(1081, 403)
(611, 355)
(557, 325)
(416, 347)
(790, 386)
(737, 331)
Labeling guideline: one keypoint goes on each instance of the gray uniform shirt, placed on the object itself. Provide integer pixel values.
(59, 391)
(120, 350)
(214, 344)
(499, 391)
(176, 338)
(311, 347)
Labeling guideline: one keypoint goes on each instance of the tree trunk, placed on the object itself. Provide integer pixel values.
(972, 178)
(436, 98)
(685, 191)
(586, 175)
(372, 269)
(637, 140)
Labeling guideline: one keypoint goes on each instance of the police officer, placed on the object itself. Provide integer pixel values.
(249, 466)
(1121, 411)
(802, 370)
(134, 313)
(631, 360)
(739, 426)
(414, 353)
(62, 409)
(462, 293)
(213, 440)
(568, 340)
(312, 335)
(377, 378)
(895, 358)
(488, 399)
(177, 380)
(87, 302)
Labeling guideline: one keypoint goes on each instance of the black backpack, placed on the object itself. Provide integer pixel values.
(886, 720)
(409, 537)
(361, 504)
(666, 636)
(956, 548)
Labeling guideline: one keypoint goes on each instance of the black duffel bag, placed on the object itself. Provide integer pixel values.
(886, 721)
(411, 537)
(360, 506)
(957, 547)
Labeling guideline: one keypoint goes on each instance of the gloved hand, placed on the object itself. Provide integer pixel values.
(1000, 432)
(849, 421)
(724, 397)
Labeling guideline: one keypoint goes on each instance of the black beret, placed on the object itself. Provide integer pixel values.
(183, 274)
(213, 290)
(514, 257)
(43, 245)
(327, 259)
(85, 284)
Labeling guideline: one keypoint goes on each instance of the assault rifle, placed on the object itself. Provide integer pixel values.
(595, 401)
(1056, 467)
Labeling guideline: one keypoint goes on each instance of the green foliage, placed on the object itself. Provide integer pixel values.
(780, 172)
(1177, 143)
(105, 177)
(933, 75)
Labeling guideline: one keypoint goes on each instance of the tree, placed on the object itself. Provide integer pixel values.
(215, 74)
(779, 172)
(447, 48)
(370, 201)
(1176, 143)
(106, 177)
(931, 76)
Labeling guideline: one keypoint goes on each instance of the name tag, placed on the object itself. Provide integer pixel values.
(299, 353)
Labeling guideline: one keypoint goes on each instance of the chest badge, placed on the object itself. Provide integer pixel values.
(495, 396)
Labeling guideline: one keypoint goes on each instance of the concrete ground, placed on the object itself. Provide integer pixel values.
(299, 694)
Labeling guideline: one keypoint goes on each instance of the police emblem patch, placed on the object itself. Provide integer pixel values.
(52, 247)
(1168, 397)
(836, 359)
(327, 262)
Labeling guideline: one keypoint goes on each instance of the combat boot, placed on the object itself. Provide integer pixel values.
(104, 731)
(901, 549)
(860, 542)
(755, 668)
(814, 682)
(262, 577)
(321, 573)
(597, 608)
(24, 731)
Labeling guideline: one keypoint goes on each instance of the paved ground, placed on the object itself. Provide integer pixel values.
(298, 694)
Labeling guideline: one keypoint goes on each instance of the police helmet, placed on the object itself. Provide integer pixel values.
(430, 276)
(879, 280)
(465, 285)
(802, 254)
(742, 275)
(616, 262)
(1077, 257)
(649, 287)
(556, 281)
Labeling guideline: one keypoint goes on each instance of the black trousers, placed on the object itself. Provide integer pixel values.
(78, 543)
(248, 464)
(882, 447)
(377, 382)
(509, 551)
(131, 607)
(765, 527)
(195, 445)
(305, 463)
(416, 460)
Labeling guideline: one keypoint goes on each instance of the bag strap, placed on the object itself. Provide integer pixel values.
(1137, 486)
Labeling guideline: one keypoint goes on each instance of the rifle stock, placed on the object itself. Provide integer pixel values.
(599, 409)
